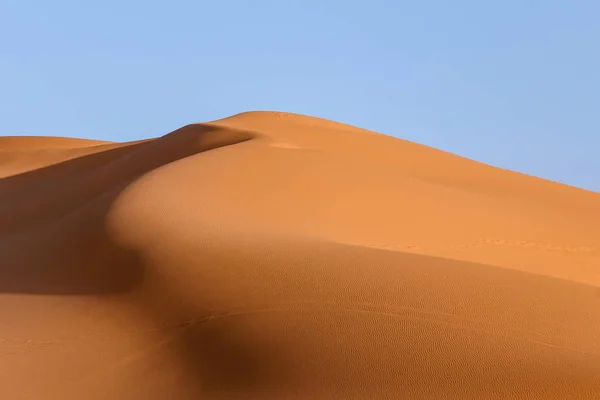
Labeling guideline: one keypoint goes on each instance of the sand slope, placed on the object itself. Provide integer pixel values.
(278, 256)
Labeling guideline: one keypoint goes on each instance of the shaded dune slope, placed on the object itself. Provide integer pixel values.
(279, 256)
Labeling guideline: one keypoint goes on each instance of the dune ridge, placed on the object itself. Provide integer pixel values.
(273, 255)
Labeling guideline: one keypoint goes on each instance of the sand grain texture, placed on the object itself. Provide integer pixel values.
(278, 256)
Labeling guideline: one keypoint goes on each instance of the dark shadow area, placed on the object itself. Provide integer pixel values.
(52, 233)
(223, 358)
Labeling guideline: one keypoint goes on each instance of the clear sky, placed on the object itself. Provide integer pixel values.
(513, 83)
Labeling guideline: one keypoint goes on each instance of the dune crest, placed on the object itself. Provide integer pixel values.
(273, 255)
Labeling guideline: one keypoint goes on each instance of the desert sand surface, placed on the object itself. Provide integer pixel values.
(279, 256)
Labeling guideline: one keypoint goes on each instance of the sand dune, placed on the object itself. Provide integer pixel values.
(279, 256)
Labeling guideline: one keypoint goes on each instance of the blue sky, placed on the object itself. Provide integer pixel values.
(513, 83)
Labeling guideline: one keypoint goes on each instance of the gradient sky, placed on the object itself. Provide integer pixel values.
(513, 83)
